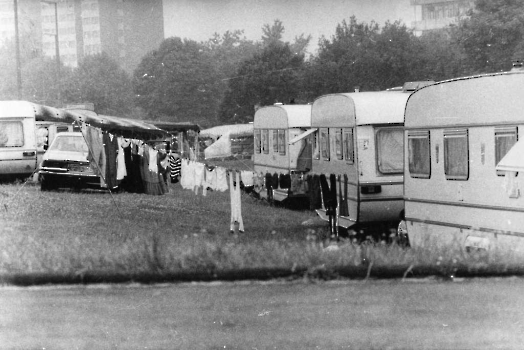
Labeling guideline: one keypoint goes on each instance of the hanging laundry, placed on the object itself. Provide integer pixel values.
(121, 170)
(211, 180)
(199, 177)
(247, 178)
(236, 205)
(221, 179)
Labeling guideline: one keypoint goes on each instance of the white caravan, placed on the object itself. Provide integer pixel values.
(274, 127)
(459, 187)
(18, 144)
(360, 140)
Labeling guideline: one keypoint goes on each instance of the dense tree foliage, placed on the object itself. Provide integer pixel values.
(492, 35)
(178, 82)
(100, 80)
(273, 74)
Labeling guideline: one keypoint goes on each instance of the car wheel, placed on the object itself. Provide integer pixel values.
(47, 184)
(402, 234)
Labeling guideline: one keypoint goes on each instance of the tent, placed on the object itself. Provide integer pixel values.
(229, 140)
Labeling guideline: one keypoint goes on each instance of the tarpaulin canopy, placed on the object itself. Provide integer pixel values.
(514, 159)
(131, 128)
(233, 130)
(174, 126)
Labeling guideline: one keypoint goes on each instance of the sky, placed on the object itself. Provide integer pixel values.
(200, 19)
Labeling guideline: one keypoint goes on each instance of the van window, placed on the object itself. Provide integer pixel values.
(456, 154)
(258, 143)
(282, 142)
(275, 141)
(390, 151)
(11, 133)
(419, 154)
(265, 141)
(505, 138)
(349, 152)
(338, 144)
(324, 143)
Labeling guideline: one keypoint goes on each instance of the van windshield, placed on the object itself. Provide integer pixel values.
(69, 144)
(11, 133)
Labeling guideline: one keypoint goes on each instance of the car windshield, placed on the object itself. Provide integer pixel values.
(69, 144)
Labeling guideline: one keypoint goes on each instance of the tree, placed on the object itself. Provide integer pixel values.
(490, 35)
(100, 80)
(272, 75)
(177, 82)
(365, 56)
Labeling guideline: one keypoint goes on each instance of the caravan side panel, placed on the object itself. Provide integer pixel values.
(18, 154)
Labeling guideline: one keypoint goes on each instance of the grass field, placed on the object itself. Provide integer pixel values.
(91, 237)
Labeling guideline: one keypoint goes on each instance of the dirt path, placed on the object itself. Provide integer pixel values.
(425, 314)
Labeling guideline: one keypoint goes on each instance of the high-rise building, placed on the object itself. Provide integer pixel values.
(125, 29)
(437, 14)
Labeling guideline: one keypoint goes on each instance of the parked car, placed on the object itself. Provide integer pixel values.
(65, 164)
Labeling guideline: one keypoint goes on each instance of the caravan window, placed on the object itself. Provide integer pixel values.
(419, 154)
(338, 144)
(11, 133)
(456, 154)
(275, 141)
(324, 143)
(316, 145)
(390, 150)
(505, 138)
(265, 141)
(258, 144)
(349, 152)
(282, 142)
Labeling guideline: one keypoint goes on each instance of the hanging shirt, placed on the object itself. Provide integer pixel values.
(247, 178)
(121, 170)
(221, 179)
(236, 205)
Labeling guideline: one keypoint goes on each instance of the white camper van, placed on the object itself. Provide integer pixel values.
(274, 129)
(18, 146)
(463, 183)
(360, 141)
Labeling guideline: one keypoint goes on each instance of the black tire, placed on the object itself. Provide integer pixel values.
(47, 184)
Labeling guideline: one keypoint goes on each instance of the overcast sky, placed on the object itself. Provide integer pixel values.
(199, 19)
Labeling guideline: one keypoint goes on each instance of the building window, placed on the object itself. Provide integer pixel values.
(505, 138)
(324, 143)
(349, 152)
(282, 142)
(275, 141)
(419, 154)
(258, 143)
(456, 154)
(390, 150)
(265, 141)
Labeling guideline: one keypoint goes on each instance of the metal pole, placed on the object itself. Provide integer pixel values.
(18, 64)
(57, 53)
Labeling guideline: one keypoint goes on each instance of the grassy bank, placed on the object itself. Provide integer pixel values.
(66, 237)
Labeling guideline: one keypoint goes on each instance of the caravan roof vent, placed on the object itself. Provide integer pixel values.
(411, 86)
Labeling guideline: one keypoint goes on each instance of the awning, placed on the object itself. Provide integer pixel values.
(301, 136)
(514, 159)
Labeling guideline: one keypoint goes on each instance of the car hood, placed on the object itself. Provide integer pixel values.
(65, 155)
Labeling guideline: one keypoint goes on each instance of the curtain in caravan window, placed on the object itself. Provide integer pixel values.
(282, 142)
(258, 143)
(348, 145)
(456, 155)
(505, 138)
(11, 134)
(419, 154)
(265, 141)
(390, 152)
(338, 144)
(275, 141)
(324, 143)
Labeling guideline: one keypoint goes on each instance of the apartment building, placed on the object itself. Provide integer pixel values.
(124, 29)
(437, 14)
